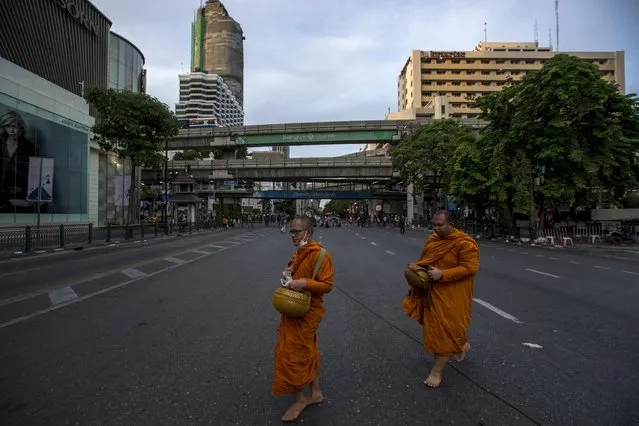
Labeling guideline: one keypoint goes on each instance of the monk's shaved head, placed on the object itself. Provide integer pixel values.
(443, 223)
(445, 214)
(305, 222)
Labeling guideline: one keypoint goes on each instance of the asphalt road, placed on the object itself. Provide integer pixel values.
(182, 332)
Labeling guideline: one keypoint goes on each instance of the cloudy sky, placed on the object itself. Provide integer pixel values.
(334, 60)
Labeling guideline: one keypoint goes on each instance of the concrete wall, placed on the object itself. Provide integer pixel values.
(615, 214)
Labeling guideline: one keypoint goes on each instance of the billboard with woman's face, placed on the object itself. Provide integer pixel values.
(27, 131)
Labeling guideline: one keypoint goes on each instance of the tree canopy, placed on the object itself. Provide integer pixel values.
(423, 158)
(555, 136)
(133, 126)
(338, 207)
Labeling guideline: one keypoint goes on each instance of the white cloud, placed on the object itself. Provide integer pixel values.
(339, 59)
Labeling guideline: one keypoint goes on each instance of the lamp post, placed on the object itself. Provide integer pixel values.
(165, 195)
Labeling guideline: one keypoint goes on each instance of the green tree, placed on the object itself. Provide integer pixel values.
(150, 193)
(241, 153)
(470, 175)
(424, 157)
(338, 207)
(285, 206)
(133, 126)
(559, 133)
(190, 155)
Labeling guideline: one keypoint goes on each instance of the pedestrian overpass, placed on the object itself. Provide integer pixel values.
(355, 168)
(298, 134)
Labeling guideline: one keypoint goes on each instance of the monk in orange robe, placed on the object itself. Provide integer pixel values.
(451, 258)
(297, 358)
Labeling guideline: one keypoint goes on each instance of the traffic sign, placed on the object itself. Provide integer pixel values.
(230, 182)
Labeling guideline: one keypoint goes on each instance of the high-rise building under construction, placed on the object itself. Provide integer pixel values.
(217, 46)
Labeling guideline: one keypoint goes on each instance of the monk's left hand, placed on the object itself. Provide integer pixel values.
(434, 273)
(297, 284)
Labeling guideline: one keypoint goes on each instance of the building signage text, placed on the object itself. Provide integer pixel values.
(72, 9)
(443, 55)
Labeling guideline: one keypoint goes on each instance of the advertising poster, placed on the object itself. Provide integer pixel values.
(122, 186)
(40, 183)
(29, 142)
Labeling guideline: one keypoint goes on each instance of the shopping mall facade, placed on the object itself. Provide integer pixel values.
(51, 51)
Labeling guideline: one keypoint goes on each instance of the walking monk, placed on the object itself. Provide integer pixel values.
(451, 258)
(297, 358)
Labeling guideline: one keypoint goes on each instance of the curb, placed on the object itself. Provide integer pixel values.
(589, 249)
(20, 255)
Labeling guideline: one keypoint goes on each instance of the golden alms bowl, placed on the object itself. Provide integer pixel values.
(290, 302)
(417, 279)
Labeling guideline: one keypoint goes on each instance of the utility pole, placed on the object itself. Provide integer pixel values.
(557, 22)
(165, 196)
(81, 83)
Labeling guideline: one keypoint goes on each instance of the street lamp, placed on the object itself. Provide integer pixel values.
(165, 195)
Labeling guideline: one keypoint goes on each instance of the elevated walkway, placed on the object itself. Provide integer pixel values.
(281, 170)
(319, 133)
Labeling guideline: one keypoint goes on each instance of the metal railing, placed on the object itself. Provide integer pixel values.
(327, 126)
(281, 163)
(30, 238)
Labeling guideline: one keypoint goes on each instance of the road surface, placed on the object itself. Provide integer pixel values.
(182, 332)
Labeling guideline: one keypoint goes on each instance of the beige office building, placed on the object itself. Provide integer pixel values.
(436, 84)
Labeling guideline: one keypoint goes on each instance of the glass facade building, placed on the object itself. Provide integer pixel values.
(126, 65)
(126, 72)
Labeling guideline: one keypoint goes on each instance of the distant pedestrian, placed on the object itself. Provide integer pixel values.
(402, 225)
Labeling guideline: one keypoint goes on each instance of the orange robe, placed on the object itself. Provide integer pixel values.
(445, 323)
(297, 358)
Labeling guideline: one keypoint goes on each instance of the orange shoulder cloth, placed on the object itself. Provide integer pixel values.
(435, 247)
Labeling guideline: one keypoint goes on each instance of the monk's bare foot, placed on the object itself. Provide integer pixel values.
(294, 411)
(433, 380)
(461, 356)
(316, 398)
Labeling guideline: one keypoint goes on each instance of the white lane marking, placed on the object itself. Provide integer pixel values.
(175, 260)
(390, 252)
(62, 295)
(574, 262)
(99, 292)
(553, 258)
(363, 238)
(532, 345)
(600, 267)
(217, 247)
(543, 273)
(523, 252)
(500, 248)
(511, 250)
(497, 311)
(200, 252)
(541, 255)
(357, 233)
(133, 273)
(413, 238)
(630, 272)
(373, 243)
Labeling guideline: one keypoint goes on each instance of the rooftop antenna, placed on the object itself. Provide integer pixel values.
(536, 31)
(485, 32)
(557, 22)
